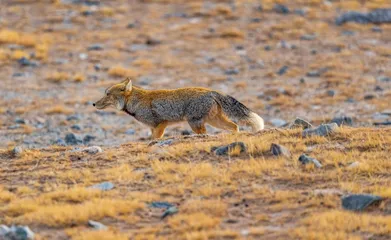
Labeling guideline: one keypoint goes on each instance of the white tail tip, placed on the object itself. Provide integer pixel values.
(256, 122)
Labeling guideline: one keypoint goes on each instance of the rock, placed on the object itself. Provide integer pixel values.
(279, 150)
(383, 79)
(387, 112)
(354, 165)
(73, 117)
(232, 71)
(369, 96)
(304, 159)
(282, 70)
(88, 138)
(224, 150)
(16, 233)
(330, 93)
(299, 12)
(278, 122)
(342, 121)
(17, 151)
(20, 121)
(14, 127)
(83, 56)
(130, 132)
(160, 205)
(308, 37)
(104, 186)
(3, 230)
(24, 62)
(95, 47)
(72, 139)
(170, 211)
(96, 225)
(322, 130)
(387, 123)
(317, 73)
(161, 143)
(76, 127)
(60, 142)
(377, 29)
(300, 123)
(93, 150)
(377, 16)
(186, 133)
(359, 202)
(352, 17)
(152, 41)
(268, 48)
(282, 9)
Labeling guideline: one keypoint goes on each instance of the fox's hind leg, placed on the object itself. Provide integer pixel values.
(222, 122)
(158, 131)
(198, 126)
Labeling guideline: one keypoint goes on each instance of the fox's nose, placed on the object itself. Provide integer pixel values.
(93, 104)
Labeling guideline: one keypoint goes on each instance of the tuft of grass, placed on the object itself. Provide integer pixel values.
(68, 214)
(118, 71)
(58, 109)
(58, 77)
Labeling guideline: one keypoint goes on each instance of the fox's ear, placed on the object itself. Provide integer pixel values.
(129, 85)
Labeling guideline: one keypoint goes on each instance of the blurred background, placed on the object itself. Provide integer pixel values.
(284, 59)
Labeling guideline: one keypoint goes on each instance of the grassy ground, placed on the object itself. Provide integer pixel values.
(237, 47)
(253, 194)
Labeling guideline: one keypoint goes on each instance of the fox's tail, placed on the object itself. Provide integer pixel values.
(238, 112)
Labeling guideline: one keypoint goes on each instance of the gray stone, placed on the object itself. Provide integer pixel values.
(304, 159)
(330, 93)
(170, 211)
(88, 138)
(232, 71)
(104, 186)
(60, 142)
(4, 230)
(354, 165)
(75, 117)
(383, 79)
(322, 130)
(359, 202)
(387, 123)
(300, 123)
(224, 150)
(17, 151)
(279, 150)
(93, 150)
(72, 139)
(76, 127)
(16, 126)
(16, 233)
(282, 9)
(130, 132)
(376, 16)
(317, 73)
(24, 62)
(95, 47)
(83, 56)
(160, 205)
(96, 225)
(342, 121)
(20, 121)
(282, 70)
(278, 122)
(308, 37)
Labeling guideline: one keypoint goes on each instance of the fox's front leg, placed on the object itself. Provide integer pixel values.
(158, 131)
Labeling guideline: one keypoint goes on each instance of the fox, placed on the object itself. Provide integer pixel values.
(198, 106)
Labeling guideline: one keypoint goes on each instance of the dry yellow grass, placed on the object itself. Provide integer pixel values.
(118, 71)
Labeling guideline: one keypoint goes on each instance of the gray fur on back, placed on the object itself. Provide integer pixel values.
(192, 109)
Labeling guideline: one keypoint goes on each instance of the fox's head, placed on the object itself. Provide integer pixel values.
(115, 96)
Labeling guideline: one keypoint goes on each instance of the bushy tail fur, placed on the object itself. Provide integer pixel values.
(238, 112)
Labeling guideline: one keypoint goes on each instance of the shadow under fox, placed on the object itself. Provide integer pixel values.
(198, 106)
